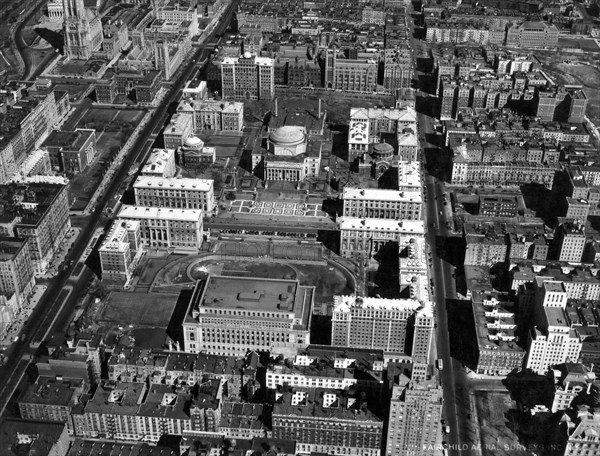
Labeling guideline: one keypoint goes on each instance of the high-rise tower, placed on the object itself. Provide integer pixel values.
(83, 30)
(422, 342)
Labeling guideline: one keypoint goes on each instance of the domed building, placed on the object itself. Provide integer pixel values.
(290, 155)
(379, 159)
(193, 153)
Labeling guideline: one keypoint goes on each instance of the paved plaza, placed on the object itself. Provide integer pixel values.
(277, 208)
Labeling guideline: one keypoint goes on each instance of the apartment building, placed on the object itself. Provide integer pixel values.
(310, 377)
(495, 174)
(121, 251)
(26, 124)
(50, 399)
(39, 213)
(181, 193)
(230, 315)
(498, 206)
(552, 341)
(423, 342)
(495, 327)
(571, 239)
(415, 417)
(364, 237)
(145, 412)
(16, 270)
(486, 244)
(163, 227)
(384, 204)
(322, 420)
(175, 12)
(374, 323)
(248, 77)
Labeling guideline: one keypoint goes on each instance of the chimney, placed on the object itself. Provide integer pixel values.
(319, 112)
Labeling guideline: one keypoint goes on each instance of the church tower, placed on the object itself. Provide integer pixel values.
(83, 30)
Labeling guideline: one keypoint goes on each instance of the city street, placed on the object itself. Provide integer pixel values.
(462, 438)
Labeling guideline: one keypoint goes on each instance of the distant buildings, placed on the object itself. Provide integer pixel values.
(358, 75)
(247, 78)
(532, 34)
(230, 315)
(27, 123)
(179, 229)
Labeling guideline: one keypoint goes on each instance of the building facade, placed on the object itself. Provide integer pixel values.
(16, 269)
(372, 322)
(165, 227)
(230, 315)
(183, 193)
(248, 78)
(120, 252)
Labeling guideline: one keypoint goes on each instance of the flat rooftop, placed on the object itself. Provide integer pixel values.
(10, 246)
(162, 213)
(68, 139)
(556, 316)
(202, 185)
(346, 303)
(368, 194)
(272, 295)
(372, 224)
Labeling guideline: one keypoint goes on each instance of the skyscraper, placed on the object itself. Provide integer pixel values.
(415, 417)
(422, 342)
(83, 30)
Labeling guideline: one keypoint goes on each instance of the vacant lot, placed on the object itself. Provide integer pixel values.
(494, 422)
(139, 309)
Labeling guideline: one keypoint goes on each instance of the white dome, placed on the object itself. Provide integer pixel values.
(247, 55)
(194, 142)
(287, 135)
